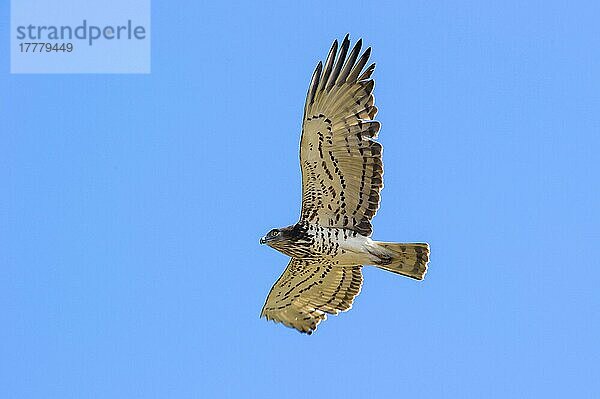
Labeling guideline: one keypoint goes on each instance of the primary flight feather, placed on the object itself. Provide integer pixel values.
(342, 176)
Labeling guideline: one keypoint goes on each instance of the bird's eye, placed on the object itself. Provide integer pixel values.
(273, 233)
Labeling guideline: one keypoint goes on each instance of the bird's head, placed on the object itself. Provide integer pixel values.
(275, 236)
(288, 240)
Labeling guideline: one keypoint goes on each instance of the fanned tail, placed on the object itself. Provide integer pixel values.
(409, 260)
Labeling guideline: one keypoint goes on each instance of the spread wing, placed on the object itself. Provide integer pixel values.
(306, 291)
(341, 163)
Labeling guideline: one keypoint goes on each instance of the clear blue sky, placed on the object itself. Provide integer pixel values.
(132, 206)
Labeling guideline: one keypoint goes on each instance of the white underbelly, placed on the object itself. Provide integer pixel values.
(355, 251)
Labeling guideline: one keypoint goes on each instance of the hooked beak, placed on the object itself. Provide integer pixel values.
(263, 240)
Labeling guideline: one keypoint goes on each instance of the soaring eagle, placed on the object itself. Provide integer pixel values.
(341, 180)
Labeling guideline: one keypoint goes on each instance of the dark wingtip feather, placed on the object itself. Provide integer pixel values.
(367, 73)
(328, 64)
(317, 77)
(364, 58)
(339, 63)
(314, 84)
(346, 41)
(350, 62)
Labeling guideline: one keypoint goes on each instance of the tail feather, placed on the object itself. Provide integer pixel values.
(409, 260)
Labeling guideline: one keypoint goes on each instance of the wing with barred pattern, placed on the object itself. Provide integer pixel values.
(342, 170)
(306, 292)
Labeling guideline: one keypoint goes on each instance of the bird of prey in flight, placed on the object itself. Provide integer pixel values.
(341, 180)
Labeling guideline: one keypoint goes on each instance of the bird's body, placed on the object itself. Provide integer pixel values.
(331, 245)
(342, 176)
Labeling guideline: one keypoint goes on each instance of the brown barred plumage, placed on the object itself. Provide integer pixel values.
(342, 176)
